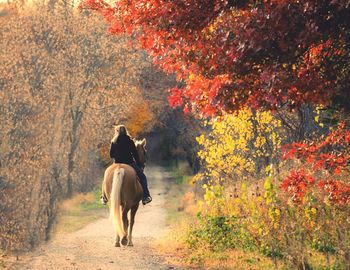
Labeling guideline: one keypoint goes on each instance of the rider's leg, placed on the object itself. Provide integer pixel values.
(143, 180)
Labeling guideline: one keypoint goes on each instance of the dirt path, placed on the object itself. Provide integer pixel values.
(92, 247)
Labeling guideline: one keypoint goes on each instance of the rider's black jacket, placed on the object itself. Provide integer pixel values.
(124, 150)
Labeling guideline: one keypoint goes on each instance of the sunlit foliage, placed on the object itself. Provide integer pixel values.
(240, 145)
(64, 83)
(236, 53)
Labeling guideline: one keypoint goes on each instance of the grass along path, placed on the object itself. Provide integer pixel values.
(92, 246)
(76, 213)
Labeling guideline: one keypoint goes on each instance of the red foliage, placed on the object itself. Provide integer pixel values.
(269, 52)
(331, 153)
(336, 191)
(261, 54)
(296, 184)
(175, 99)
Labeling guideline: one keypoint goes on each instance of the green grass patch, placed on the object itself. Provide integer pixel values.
(181, 214)
(180, 172)
(78, 211)
(179, 185)
(94, 204)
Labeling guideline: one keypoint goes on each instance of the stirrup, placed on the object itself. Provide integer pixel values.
(146, 200)
(103, 200)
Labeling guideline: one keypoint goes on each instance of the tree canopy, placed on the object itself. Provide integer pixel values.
(229, 54)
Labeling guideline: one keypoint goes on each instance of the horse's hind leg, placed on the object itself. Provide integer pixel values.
(132, 220)
(126, 225)
(117, 241)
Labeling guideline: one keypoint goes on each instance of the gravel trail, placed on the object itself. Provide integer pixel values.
(93, 246)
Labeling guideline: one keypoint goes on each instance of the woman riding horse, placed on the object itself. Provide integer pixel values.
(123, 151)
(122, 188)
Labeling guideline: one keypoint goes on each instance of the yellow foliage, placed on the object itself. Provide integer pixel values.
(318, 111)
(236, 141)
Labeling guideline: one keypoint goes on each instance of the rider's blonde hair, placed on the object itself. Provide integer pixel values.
(119, 130)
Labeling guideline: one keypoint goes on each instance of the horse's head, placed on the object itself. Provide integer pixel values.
(140, 147)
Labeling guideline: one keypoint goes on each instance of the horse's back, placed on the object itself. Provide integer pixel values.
(128, 170)
(131, 192)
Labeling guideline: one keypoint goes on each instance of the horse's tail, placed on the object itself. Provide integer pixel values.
(115, 211)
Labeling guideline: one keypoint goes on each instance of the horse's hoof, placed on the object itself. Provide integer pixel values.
(117, 244)
(124, 241)
(130, 244)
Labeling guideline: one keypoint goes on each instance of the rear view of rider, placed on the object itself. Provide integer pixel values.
(123, 150)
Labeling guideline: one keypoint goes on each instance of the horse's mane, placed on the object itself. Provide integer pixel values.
(139, 142)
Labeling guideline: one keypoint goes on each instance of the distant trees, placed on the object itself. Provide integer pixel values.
(287, 61)
(64, 82)
(284, 56)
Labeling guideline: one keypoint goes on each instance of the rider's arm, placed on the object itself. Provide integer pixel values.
(112, 150)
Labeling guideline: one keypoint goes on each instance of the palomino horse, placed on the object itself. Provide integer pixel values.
(124, 192)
